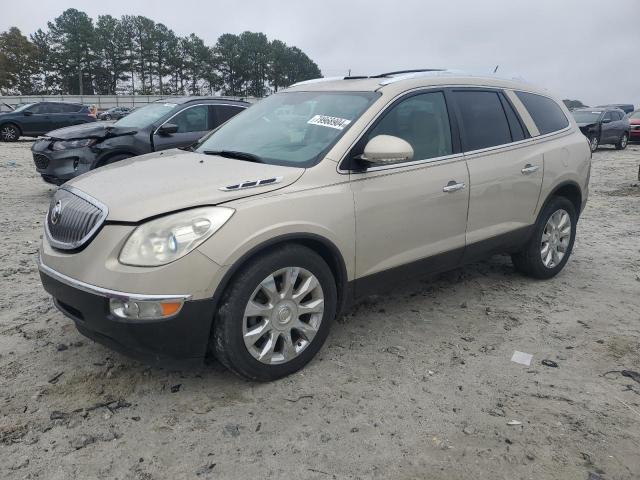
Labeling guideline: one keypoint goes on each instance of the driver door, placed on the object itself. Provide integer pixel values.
(411, 217)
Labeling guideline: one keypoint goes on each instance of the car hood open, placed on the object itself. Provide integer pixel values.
(162, 182)
(90, 130)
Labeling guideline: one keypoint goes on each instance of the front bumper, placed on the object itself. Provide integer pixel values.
(58, 166)
(180, 341)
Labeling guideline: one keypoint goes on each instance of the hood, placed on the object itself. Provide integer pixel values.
(634, 121)
(89, 130)
(162, 182)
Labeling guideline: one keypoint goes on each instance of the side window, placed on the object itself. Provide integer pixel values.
(423, 121)
(56, 108)
(69, 107)
(608, 116)
(194, 119)
(545, 112)
(40, 108)
(222, 113)
(484, 122)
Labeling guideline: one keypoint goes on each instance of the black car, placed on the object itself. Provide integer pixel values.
(603, 126)
(179, 122)
(115, 113)
(33, 119)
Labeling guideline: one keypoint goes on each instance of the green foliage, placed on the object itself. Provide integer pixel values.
(133, 54)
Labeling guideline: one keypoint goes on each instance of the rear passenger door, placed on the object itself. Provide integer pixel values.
(411, 216)
(505, 176)
(193, 122)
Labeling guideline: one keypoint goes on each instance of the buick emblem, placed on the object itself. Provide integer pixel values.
(56, 213)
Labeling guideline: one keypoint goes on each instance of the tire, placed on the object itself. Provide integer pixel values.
(113, 159)
(622, 143)
(594, 143)
(9, 132)
(231, 324)
(106, 117)
(530, 261)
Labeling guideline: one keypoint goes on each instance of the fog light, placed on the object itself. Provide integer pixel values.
(143, 310)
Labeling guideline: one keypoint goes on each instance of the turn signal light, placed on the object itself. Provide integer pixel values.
(144, 310)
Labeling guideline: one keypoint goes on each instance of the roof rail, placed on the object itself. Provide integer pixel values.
(436, 73)
(400, 72)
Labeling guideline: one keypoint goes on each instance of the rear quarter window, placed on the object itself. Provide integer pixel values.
(546, 113)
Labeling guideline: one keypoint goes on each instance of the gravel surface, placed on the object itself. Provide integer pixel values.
(415, 384)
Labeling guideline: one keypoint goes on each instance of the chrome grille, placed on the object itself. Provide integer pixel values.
(73, 218)
(41, 161)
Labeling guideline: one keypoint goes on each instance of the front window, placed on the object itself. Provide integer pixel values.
(145, 116)
(292, 128)
(583, 116)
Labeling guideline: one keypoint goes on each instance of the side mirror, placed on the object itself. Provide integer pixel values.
(167, 129)
(27, 113)
(387, 149)
(606, 120)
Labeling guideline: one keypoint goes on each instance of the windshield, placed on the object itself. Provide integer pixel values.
(145, 116)
(584, 116)
(635, 115)
(292, 128)
(23, 107)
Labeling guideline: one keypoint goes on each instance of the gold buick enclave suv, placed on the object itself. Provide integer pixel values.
(250, 244)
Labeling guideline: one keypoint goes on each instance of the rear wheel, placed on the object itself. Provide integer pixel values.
(551, 243)
(276, 314)
(624, 140)
(9, 132)
(594, 142)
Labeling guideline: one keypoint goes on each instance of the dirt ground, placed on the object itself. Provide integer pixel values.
(416, 384)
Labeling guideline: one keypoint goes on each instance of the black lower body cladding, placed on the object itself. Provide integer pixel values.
(179, 342)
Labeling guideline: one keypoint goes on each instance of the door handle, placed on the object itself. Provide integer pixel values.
(528, 168)
(453, 186)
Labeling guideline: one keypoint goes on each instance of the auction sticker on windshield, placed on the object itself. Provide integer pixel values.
(327, 121)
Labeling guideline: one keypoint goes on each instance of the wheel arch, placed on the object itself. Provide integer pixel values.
(14, 123)
(109, 155)
(569, 190)
(321, 245)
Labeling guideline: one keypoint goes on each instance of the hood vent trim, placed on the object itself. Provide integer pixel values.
(251, 184)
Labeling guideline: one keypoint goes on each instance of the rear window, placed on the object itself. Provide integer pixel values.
(546, 113)
(484, 122)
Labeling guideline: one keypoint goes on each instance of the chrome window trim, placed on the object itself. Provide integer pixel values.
(105, 292)
(242, 107)
(426, 89)
(72, 246)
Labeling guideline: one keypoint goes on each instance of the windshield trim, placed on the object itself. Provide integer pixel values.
(313, 161)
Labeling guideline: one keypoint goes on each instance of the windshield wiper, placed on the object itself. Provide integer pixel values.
(249, 157)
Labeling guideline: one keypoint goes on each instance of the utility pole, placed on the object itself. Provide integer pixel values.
(80, 79)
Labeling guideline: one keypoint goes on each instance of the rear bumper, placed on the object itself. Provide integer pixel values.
(180, 341)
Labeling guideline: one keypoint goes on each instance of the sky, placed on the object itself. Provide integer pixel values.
(577, 49)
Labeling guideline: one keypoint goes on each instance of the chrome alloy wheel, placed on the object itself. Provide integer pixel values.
(593, 143)
(624, 140)
(283, 315)
(555, 238)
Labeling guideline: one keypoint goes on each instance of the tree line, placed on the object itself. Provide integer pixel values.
(135, 55)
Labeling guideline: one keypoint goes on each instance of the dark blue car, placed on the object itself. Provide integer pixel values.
(34, 119)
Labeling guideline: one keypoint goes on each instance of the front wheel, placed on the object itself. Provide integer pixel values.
(594, 142)
(276, 314)
(624, 140)
(9, 133)
(551, 243)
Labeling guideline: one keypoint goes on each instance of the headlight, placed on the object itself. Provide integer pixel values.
(166, 239)
(67, 144)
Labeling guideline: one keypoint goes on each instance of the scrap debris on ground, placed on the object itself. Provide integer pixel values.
(417, 383)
